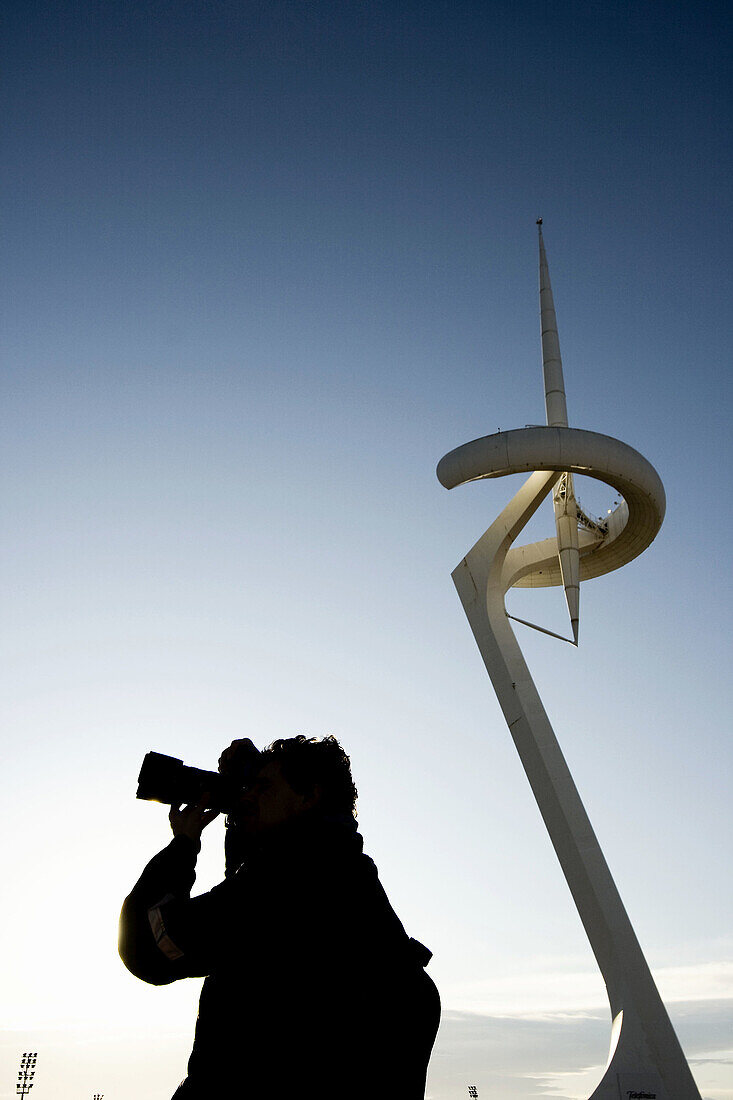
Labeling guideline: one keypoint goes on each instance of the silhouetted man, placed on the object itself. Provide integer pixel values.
(313, 988)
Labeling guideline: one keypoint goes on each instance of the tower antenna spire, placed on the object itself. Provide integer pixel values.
(563, 495)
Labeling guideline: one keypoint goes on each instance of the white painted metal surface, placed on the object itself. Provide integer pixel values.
(645, 1056)
(563, 496)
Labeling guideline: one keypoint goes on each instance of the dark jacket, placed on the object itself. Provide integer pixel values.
(312, 987)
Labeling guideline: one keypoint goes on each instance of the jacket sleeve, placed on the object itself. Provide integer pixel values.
(163, 932)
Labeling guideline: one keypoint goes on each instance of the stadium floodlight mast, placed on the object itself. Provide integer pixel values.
(645, 1057)
(473, 1092)
(26, 1073)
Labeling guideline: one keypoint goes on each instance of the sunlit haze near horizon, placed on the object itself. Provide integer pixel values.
(265, 263)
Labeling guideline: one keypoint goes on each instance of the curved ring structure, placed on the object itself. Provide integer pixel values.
(631, 527)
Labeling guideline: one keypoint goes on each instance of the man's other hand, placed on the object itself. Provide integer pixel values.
(191, 821)
(241, 754)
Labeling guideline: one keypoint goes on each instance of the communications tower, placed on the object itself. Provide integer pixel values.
(645, 1057)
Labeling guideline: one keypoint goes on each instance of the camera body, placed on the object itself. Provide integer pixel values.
(167, 779)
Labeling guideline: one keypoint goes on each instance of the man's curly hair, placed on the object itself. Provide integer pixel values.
(307, 762)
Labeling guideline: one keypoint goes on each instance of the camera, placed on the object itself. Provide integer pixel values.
(168, 780)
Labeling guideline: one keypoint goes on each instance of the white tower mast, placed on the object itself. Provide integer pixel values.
(645, 1058)
(563, 497)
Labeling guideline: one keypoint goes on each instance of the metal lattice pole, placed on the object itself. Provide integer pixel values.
(26, 1073)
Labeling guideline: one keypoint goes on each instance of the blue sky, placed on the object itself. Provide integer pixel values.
(265, 263)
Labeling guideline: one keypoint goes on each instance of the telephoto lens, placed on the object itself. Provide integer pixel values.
(168, 780)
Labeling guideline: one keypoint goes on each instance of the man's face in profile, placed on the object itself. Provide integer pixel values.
(269, 802)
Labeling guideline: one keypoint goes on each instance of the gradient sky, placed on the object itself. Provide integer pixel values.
(265, 263)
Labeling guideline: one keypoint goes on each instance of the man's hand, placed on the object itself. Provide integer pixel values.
(240, 756)
(191, 821)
